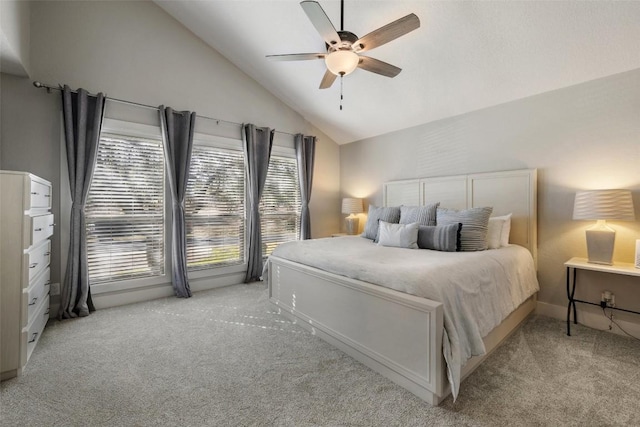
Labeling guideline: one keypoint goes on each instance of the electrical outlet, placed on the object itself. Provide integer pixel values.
(608, 299)
(612, 301)
(54, 289)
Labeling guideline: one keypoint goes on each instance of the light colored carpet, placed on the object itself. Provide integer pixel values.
(225, 358)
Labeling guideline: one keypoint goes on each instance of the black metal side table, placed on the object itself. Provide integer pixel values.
(575, 264)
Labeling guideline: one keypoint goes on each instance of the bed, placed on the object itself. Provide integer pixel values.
(386, 323)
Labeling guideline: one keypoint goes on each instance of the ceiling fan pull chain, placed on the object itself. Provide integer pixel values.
(341, 97)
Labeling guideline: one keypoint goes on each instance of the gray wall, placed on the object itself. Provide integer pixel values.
(30, 140)
(135, 51)
(582, 137)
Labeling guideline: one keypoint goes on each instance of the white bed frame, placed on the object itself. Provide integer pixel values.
(396, 334)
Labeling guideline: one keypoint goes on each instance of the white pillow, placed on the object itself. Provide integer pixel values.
(506, 230)
(398, 235)
(498, 231)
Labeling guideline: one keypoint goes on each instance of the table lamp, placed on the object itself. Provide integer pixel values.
(601, 205)
(351, 206)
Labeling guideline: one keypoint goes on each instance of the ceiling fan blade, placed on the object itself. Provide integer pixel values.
(379, 67)
(296, 56)
(327, 80)
(387, 33)
(321, 21)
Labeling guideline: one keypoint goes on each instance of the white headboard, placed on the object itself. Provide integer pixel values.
(512, 192)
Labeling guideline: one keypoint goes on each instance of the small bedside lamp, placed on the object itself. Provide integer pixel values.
(351, 206)
(601, 205)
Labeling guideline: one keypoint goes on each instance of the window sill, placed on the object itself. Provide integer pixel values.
(217, 271)
(137, 284)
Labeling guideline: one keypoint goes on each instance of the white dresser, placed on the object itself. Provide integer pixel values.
(26, 226)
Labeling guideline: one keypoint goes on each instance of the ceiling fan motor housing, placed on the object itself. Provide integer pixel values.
(347, 39)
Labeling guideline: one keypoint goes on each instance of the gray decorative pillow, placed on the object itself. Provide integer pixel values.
(475, 222)
(423, 215)
(444, 238)
(390, 214)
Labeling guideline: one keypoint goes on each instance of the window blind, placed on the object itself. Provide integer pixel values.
(280, 205)
(125, 210)
(214, 208)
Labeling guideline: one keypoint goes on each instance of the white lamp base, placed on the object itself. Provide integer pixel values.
(600, 242)
(351, 224)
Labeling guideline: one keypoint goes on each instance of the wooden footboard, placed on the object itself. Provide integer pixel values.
(396, 334)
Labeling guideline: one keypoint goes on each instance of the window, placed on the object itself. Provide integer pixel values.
(214, 208)
(125, 210)
(280, 205)
(128, 207)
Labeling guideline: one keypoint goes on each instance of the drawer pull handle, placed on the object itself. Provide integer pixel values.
(48, 283)
(37, 229)
(35, 193)
(51, 225)
(33, 338)
(47, 253)
(47, 195)
(33, 265)
(33, 301)
(46, 312)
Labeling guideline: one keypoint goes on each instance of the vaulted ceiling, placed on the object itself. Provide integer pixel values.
(464, 57)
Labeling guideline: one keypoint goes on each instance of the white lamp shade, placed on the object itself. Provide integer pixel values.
(351, 206)
(604, 204)
(342, 62)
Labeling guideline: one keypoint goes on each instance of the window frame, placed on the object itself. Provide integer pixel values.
(231, 145)
(288, 152)
(119, 127)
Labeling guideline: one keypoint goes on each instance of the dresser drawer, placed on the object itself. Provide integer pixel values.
(38, 229)
(35, 328)
(38, 259)
(25, 247)
(40, 195)
(38, 290)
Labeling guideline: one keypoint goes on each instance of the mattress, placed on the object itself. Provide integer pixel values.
(478, 290)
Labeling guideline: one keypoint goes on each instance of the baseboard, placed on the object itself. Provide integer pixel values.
(53, 310)
(592, 319)
(131, 296)
(134, 295)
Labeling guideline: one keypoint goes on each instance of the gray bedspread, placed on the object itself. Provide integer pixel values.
(478, 290)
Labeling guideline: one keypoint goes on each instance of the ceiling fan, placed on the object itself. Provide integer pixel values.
(344, 47)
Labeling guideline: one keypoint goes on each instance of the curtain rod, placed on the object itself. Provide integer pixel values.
(49, 88)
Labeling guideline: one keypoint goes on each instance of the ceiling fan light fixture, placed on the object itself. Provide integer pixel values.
(342, 62)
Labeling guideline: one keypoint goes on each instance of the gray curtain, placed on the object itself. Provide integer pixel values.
(82, 122)
(305, 155)
(177, 136)
(257, 143)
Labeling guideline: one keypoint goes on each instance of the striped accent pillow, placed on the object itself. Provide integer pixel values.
(475, 222)
(444, 238)
(423, 215)
(389, 214)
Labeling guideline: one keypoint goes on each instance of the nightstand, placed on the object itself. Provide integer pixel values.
(575, 264)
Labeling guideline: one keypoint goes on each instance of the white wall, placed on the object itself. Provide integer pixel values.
(14, 37)
(135, 51)
(325, 202)
(582, 137)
